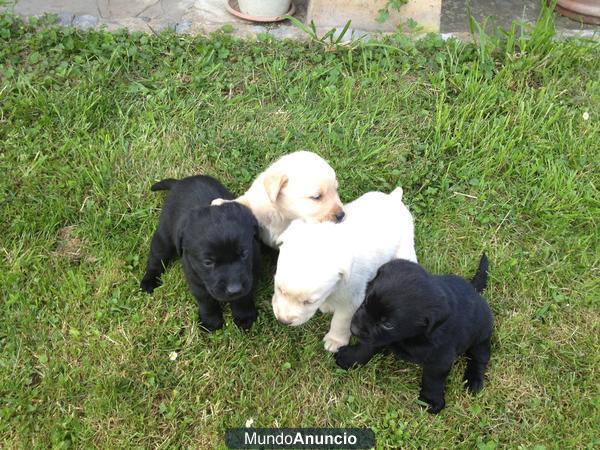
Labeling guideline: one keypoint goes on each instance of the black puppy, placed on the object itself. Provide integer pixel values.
(426, 319)
(217, 244)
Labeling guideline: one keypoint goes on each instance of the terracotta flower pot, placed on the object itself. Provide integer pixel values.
(587, 11)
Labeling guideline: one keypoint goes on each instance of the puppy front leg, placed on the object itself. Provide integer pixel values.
(244, 312)
(220, 201)
(209, 310)
(326, 308)
(339, 331)
(354, 355)
(432, 387)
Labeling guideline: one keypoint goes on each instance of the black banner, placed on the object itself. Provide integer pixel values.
(300, 438)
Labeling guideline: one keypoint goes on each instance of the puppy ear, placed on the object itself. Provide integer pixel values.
(437, 316)
(274, 182)
(345, 266)
(344, 273)
(280, 239)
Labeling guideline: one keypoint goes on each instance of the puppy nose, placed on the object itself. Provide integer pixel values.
(340, 216)
(287, 320)
(233, 288)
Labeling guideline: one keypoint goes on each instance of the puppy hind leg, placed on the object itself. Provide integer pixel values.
(161, 255)
(244, 312)
(478, 358)
(433, 384)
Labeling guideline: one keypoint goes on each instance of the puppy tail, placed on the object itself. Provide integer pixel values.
(479, 281)
(397, 193)
(163, 185)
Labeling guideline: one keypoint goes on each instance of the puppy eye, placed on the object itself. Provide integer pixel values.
(209, 263)
(316, 197)
(243, 254)
(387, 326)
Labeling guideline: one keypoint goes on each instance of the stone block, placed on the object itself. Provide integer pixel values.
(183, 27)
(85, 22)
(64, 19)
(364, 13)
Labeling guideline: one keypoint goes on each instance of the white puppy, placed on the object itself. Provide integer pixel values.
(299, 185)
(327, 266)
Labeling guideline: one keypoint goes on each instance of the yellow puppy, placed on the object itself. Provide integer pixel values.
(300, 185)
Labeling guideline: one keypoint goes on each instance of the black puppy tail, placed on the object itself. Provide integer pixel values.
(479, 281)
(163, 185)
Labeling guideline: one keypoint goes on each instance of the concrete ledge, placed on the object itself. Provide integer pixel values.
(205, 16)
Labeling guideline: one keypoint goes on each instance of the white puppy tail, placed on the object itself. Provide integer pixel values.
(397, 193)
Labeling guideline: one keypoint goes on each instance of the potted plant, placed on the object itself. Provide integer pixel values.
(265, 8)
(587, 11)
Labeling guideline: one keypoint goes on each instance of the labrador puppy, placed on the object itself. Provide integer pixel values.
(327, 266)
(426, 319)
(217, 245)
(300, 185)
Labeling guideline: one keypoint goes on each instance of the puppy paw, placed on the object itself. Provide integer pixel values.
(326, 308)
(474, 384)
(434, 406)
(217, 202)
(148, 284)
(333, 343)
(245, 323)
(345, 357)
(211, 324)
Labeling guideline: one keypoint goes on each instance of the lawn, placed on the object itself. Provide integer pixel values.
(496, 146)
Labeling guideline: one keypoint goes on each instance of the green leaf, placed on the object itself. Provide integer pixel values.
(343, 32)
(383, 15)
(74, 332)
(302, 26)
(34, 58)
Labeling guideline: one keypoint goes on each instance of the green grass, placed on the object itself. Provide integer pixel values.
(488, 141)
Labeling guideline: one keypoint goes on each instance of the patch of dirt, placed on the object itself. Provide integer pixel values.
(36, 379)
(69, 246)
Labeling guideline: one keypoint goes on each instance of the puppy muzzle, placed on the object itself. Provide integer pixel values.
(361, 335)
(230, 293)
(292, 321)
